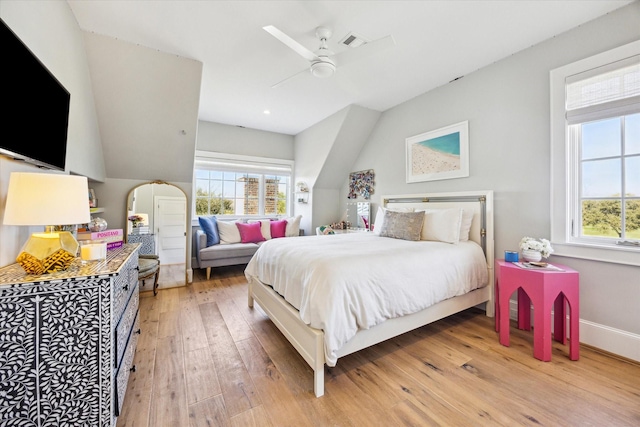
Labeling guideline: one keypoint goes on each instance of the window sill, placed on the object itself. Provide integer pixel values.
(614, 255)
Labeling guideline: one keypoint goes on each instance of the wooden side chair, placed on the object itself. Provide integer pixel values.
(148, 267)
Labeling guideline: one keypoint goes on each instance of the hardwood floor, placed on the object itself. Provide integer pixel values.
(205, 359)
(172, 275)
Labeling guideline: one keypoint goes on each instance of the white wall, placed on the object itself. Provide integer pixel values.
(325, 154)
(312, 147)
(50, 30)
(508, 108)
(248, 142)
(147, 103)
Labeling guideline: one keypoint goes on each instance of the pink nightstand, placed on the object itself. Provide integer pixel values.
(546, 289)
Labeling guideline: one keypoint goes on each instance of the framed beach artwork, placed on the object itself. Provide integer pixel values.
(438, 154)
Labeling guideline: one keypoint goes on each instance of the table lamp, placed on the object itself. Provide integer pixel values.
(49, 200)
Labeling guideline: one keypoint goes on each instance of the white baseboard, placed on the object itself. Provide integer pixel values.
(623, 343)
(612, 340)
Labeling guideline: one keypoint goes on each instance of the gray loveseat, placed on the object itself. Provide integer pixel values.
(221, 255)
(213, 251)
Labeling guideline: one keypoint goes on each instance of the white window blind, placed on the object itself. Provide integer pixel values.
(249, 164)
(614, 87)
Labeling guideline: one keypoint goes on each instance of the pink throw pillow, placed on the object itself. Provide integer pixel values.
(278, 228)
(250, 233)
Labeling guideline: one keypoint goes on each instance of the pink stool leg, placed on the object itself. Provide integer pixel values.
(574, 342)
(560, 319)
(524, 310)
(542, 328)
(573, 297)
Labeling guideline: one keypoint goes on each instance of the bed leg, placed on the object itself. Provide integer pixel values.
(250, 295)
(491, 304)
(318, 381)
(318, 365)
(490, 309)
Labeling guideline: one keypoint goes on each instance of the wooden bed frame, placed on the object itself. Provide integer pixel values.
(309, 341)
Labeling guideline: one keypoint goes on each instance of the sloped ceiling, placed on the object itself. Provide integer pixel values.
(357, 125)
(436, 42)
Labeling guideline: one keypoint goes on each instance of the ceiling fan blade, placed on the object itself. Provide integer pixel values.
(363, 51)
(280, 83)
(291, 43)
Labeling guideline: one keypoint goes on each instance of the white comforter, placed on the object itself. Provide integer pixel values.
(346, 282)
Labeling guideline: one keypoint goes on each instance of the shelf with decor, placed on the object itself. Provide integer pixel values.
(302, 192)
(302, 196)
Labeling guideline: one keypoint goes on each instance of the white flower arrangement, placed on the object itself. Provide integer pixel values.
(540, 245)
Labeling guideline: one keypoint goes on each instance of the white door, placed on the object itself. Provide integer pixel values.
(170, 215)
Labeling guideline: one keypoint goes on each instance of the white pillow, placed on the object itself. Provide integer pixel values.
(442, 225)
(465, 225)
(293, 226)
(229, 232)
(265, 227)
(379, 220)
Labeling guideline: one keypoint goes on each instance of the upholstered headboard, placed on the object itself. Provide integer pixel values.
(480, 202)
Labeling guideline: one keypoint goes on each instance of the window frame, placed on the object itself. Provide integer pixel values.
(263, 166)
(577, 196)
(565, 172)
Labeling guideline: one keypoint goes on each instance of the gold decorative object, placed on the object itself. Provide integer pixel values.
(48, 200)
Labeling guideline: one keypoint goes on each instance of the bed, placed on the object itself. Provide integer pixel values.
(331, 296)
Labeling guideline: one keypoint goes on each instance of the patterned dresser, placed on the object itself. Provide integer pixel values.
(147, 241)
(67, 341)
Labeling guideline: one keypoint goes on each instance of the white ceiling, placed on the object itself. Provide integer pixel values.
(436, 42)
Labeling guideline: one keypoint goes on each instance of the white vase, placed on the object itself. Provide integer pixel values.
(531, 255)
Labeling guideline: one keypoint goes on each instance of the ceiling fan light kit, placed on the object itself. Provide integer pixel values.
(323, 69)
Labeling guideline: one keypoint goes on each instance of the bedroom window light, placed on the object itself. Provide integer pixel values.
(607, 152)
(595, 157)
(233, 185)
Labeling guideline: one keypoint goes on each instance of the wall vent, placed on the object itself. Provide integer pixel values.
(353, 40)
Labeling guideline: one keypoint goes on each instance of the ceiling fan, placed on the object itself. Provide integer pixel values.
(323, 62)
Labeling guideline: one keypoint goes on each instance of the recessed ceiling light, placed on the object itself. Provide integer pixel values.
(267, 112)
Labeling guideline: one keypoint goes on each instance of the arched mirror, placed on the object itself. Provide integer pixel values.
(157, 219)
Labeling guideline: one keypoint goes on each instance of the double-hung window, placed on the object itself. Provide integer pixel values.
(595, 156)
(233, 185)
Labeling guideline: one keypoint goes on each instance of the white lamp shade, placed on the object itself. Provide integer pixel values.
(46, 199)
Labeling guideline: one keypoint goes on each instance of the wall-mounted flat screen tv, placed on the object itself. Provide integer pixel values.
(35, 116)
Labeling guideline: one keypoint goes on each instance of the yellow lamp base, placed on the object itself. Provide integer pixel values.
(48, 252)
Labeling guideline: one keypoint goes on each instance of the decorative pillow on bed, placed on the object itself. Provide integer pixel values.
(402, 225)
(229, 232)
(250, 233)
(265, 227)
(379, 220)
(278, 228)
(442, 225)
(293, 226)
(465, 224)
(209, 225)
